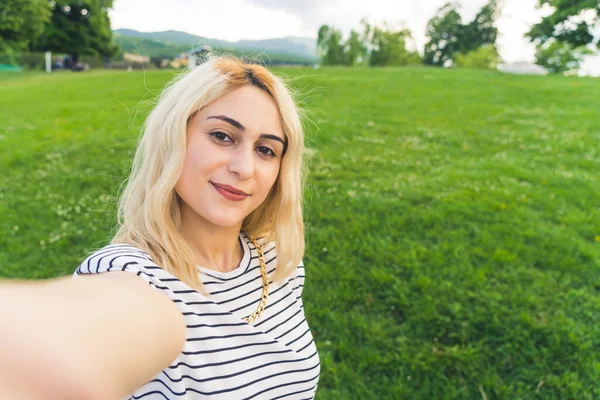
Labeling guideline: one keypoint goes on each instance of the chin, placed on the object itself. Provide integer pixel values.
(226, 221)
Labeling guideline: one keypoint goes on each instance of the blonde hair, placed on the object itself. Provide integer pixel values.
(148, 213)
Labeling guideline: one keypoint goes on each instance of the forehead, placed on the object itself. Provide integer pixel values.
(250, 106)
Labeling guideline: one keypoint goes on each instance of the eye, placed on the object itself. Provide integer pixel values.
(221, 137)
(266, 151)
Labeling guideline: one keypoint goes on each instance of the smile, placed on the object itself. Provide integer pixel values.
(230, 193)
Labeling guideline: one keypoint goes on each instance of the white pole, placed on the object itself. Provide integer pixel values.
(48, 61)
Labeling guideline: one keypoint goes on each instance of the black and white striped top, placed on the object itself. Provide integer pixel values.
(224, 357)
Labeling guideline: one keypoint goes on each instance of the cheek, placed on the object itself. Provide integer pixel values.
(197, 159)
(193, 168)
(270, 177)
(193, 155)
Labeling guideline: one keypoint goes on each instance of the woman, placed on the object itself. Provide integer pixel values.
(189, 300)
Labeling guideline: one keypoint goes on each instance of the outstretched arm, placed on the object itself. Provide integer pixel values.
(97, 337)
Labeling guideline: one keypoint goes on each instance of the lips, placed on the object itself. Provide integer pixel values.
(229, 192)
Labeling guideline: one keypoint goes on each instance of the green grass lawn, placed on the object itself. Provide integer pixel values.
(453, 219)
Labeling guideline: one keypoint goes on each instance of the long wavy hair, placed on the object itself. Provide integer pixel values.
(149, 216)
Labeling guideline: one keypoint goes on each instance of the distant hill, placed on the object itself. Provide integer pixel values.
(149, 47)
(171, 43)
(301, 46)
(174, 37)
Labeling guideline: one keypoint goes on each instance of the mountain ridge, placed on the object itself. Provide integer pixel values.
(294, 45)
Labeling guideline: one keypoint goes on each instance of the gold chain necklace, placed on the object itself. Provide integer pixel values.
(265, 281)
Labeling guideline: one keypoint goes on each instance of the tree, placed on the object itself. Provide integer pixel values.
(329, 46)
(485, 57)
(560, 57)
(482, 30)
(572, 22)
(448, 36)
(389, 47)
(445, 33)
(78, 27)
(355, 49)
(376, 46)
(21, 21)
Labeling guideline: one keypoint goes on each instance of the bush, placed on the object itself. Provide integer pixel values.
(8, 55)
(37, 60)
(558, 57)
(32, 60)
(93, 61)
(485, 57)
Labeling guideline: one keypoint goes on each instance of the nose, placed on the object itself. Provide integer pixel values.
(242, 163)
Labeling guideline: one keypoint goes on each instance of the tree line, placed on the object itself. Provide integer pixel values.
(73, 27)
(562, 39)
(373, 46)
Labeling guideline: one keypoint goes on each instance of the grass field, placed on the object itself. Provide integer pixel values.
(453, 219)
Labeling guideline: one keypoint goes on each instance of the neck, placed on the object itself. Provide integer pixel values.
(213, 247)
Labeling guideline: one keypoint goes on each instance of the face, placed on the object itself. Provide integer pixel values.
(234, 150)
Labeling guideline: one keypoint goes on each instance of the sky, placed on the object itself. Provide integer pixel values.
(261, 19)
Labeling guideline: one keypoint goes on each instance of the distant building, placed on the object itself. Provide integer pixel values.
(190, 59)
(590, 66)
(197, 53)
(130, 58)
(522, 68)
(180, 61)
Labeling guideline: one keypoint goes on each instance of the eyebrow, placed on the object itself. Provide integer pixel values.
(243, 129)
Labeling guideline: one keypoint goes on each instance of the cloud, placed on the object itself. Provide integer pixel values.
(307, 10)
(228, 20)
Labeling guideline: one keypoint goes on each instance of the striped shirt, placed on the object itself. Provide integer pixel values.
(224, 357)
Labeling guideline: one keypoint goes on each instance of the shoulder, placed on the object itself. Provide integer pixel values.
(118, 257)
(296, 276)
